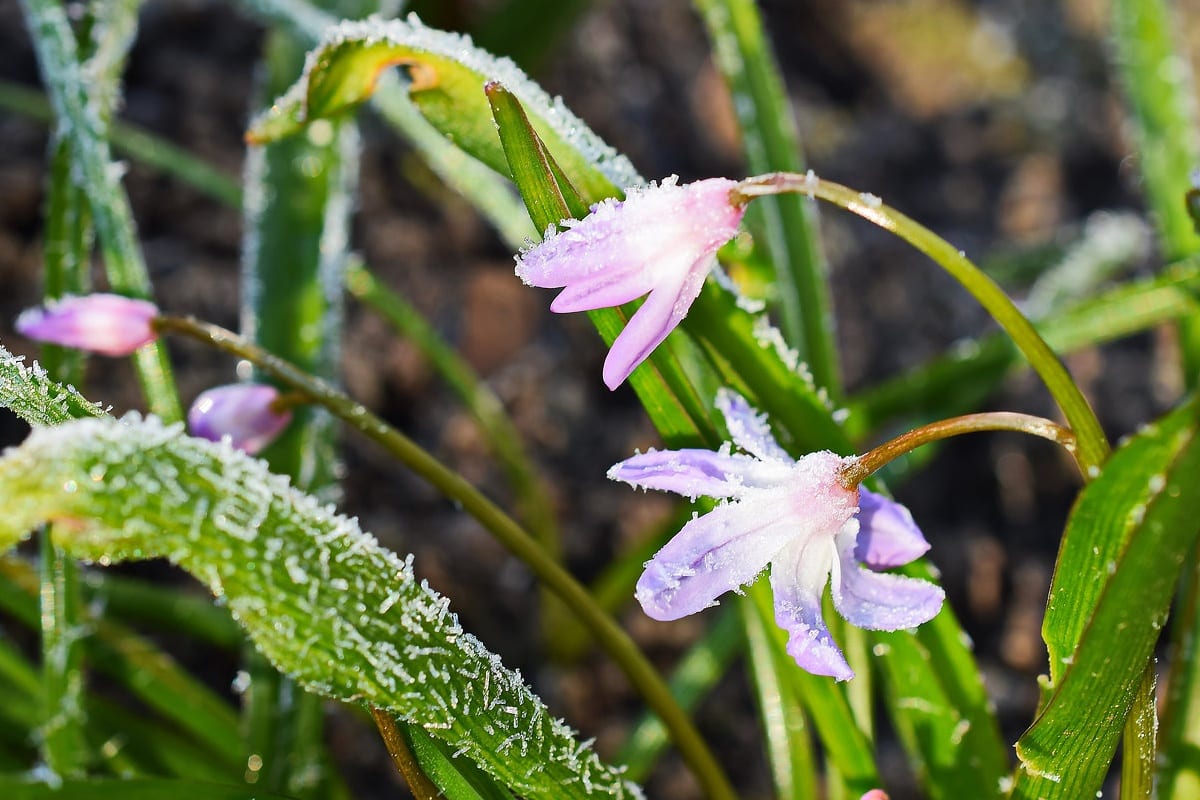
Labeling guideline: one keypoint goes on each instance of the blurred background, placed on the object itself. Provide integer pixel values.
(997, 124)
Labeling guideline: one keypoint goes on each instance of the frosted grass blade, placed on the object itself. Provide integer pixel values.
(446, 72)
(771, 144)
(328, 605)
(57, 55)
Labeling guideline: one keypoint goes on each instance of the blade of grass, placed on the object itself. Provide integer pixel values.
(785, 731)
(57, 53)
(770, 143)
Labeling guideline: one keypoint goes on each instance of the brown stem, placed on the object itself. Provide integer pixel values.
(862, 467)
(421, 787)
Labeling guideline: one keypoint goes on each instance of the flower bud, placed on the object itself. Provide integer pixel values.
(107, 324)
(246, 413)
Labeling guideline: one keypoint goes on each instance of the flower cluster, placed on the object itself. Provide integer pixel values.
(797, 516)
(794, 515)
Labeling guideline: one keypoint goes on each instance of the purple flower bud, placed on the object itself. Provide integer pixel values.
(661, 240)
(107, 324)
(244, 412)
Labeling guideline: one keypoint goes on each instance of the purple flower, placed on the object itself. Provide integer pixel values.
(108, 324)
(244, 412)
(661, 240)
(794, 515)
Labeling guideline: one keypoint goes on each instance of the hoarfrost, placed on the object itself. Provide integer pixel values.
(413, 33)
(365, 631)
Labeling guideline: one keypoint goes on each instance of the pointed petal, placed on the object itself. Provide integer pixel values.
(604, 288)
(798, 576)
(695, 473)
(888, 537)
(657, 317)
(878, 601)
(748, 429)
(722, 550)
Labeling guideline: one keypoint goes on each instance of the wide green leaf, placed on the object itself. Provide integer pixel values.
(447, 74)
(319, 597)
(1122, 552)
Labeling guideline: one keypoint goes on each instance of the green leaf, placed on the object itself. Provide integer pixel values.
(1120, 559)
(771, 143)
(447, 75)
(33, 396)
(547, 192)
(458, 778)
(321, 599)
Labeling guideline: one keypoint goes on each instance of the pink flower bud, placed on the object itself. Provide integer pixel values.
(243, 412)
(107, 324)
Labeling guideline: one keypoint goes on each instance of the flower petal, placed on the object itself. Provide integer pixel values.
(887, 537)
(798, 576)
(747, 427)
(722, 550)
(604, 288)
(243, 412)
(657, 317)
(695, 473)
(108, 324)
(879, 601)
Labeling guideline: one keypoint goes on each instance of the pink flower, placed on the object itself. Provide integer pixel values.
(794, 515)
(661, 240)
(246, 413)
(107, 324)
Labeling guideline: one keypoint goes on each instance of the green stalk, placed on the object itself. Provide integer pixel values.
(56, 50)
(770, 143)
(1161, 95)
(641, 674)
(1093, 447)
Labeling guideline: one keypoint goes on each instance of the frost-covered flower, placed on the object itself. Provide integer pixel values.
(661, 240)
(794, 515)
(245, 412)
(108, 324)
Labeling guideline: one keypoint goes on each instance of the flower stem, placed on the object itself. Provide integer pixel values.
(402, 757)
(862, 467)
(1093, 447)
(615, 641)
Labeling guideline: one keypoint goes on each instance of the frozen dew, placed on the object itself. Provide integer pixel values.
(322, 600)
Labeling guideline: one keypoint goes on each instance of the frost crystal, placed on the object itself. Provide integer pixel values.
(318, 596)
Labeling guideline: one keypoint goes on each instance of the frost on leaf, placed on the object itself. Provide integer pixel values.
(321, 598)
(29, 392)
(332, 72)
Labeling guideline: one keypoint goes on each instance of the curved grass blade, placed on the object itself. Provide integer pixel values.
(1125, 544)
(447, 72)
(951, 384)
(320, 598)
